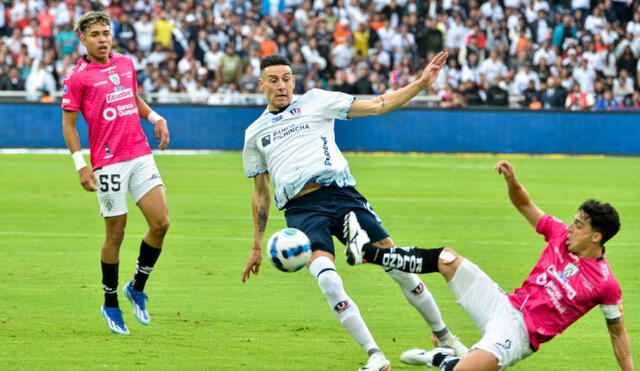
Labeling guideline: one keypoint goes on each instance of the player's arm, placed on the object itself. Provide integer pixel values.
(160, 124)
(388, 102)
(621, 343)
(518, 194)
(71, 137)
(260, 201)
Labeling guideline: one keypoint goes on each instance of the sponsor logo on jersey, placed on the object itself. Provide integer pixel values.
(325, 149)
(286, 131)
(66, 101)
(108, 69)
(342, 306)
(276, 119)
(120, 95)
(570, 270)
(266, 140)
(111, 113)
(115, 78)
(65, 89)
(100, 83)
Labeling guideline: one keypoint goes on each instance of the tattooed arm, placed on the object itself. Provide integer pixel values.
(260, 201)
(390, 101)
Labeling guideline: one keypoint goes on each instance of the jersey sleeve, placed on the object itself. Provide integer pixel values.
(332, 104)
(550, 227)
(72, 92)
(253, 161)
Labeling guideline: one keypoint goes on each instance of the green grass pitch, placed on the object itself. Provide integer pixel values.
(203, 317)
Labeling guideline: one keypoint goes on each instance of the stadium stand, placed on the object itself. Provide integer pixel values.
(537, 54)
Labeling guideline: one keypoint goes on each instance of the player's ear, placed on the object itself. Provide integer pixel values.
(596, 237)
(261, 85)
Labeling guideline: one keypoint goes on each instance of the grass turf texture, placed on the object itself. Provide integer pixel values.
(203, 317)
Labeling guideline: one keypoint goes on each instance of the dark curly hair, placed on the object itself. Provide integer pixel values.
(604, 218)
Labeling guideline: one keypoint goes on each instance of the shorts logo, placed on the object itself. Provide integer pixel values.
(155, 176)
(342, 306)
(506, 345)
(266, 140)
(108, 202)
(419, 289)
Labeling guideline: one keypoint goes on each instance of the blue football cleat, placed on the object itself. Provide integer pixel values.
(113, 316)
(139, 301)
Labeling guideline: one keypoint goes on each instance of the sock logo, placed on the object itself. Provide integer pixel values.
(342, 306)
(405, 263)
(419, 289)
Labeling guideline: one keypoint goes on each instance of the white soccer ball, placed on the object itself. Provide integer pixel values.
(289, 249)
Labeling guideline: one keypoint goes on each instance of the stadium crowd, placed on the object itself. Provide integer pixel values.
(573, 54)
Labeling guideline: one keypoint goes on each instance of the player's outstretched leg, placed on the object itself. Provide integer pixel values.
(412, 287)
(347, 312)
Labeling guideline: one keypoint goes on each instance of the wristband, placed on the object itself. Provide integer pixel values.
(78, 160)
(154, 117)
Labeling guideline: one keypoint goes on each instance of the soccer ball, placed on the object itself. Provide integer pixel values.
(289, 249)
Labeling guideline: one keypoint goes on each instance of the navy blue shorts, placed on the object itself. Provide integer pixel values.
(320, 214)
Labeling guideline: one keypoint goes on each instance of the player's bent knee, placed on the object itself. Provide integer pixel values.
(160, 227)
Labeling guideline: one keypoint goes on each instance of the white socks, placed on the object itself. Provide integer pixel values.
(418, 295)
(340, 303)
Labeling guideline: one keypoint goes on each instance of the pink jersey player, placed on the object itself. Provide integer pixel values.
(106, 96)
(103, 87)
(569, 279)
(563, 286)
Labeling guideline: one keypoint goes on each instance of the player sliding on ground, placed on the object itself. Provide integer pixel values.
(293, 142)
(570, 277)
(103, 87)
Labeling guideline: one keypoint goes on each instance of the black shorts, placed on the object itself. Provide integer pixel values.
(320, 214)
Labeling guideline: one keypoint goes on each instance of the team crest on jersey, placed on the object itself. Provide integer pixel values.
(570, 270)
(115, 78)
(295, 111)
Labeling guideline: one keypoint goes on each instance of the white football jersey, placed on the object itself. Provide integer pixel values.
(297, 145)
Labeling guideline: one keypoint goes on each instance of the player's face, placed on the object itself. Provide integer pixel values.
(97, 40)
(581, 234)
(278, 83)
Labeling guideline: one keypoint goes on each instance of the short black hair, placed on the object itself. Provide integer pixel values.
(604, 218)
(274, 60)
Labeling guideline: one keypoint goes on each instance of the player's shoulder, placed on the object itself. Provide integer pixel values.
(120, 58)
(256, 126)
(75, 73)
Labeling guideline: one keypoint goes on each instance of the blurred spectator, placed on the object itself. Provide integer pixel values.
(12, 80)
(497, 95)
(622, 86)
(606, 102)
(531, 94)
(579, 100)
(230, 66)
(66, 41)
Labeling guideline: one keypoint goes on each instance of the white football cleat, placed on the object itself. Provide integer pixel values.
(377, 362)
(423, 357)
(454, 343)
(355, 237)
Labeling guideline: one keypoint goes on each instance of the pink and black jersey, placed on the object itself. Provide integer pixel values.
(562, 287)
(106, 96)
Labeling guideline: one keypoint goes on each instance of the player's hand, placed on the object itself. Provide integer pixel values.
(253, 264)
(432, 70)
(505, 168)
(87, 179)
(162, 134)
